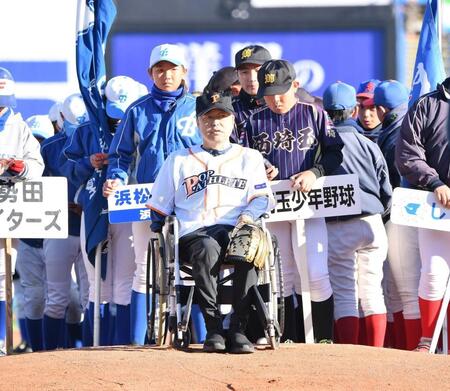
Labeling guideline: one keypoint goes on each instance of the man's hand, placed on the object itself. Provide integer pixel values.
(4, 164)
(442, 194)
(109, 186)
(98, 160)
(303, 181)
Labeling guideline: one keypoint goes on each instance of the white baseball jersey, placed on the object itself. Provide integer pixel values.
(205, 190)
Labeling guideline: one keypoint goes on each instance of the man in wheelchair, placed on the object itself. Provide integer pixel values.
(212, 188)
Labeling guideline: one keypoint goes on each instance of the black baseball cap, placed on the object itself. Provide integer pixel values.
(275, 77)
(253, 54)
(222, 80)
(213, 100)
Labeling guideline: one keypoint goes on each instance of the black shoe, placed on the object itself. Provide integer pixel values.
(214, 342)
(239, 343)
(23, 347)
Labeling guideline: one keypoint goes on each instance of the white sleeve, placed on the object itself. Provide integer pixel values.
(258, 184)
(31, 154)
(163, 190)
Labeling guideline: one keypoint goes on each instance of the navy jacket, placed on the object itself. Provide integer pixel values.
(363, 157)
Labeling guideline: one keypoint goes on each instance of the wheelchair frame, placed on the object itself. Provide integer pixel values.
(164, 282)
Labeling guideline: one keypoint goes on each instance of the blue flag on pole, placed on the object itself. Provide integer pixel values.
(94, 21)
(429, 67)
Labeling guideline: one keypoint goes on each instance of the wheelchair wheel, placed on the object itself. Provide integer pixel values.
(184, 342)
(280, 309)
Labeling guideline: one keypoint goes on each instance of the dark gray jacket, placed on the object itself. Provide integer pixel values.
(422, 151)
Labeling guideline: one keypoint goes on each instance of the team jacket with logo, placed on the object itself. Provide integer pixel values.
(205, 190)
(17, 142)
(147, 135)
(299, 140)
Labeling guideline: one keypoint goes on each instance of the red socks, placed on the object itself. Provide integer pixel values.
(375, 329)
(399, 331)
(348, 330)
(429, 312)
(413, 332)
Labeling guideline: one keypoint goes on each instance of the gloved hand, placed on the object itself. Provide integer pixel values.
(16, 167)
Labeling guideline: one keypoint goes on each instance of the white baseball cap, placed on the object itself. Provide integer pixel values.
(143, 90)
(120, 92)
(40, 126)
(55, 114)
(168, 52)
(7, 89)
(74, 109)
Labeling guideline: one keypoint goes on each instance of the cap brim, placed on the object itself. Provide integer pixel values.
(8, 101)
(365, 95)
(272, 90)
(218, 107)
(113, 110)
(171, 60)
(251, 61)
(368, 102)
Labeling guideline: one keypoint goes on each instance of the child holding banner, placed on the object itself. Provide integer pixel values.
(297, 139)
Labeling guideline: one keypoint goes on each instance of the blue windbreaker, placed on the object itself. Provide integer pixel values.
(147, 135)
(50, 150)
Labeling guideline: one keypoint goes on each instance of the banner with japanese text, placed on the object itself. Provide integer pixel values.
(34, 209)
(419, 208)
(336, 195)
(127, 203)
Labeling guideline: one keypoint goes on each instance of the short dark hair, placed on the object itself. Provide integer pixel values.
(340, 115)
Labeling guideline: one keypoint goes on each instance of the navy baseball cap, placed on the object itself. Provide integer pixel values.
(390, 94)
(339, 96)
(253, 54)
(222, 80)
(213, 100)
(367, 88)
(275, 77)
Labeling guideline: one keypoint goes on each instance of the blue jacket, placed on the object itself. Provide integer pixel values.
(363, 157)
(51, 148)
(388, 138)
(147, 135)
(75, 159)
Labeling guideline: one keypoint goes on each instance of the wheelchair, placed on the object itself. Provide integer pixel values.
(170, 291)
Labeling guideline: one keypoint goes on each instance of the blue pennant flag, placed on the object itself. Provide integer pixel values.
(429, 67)
(94, 21)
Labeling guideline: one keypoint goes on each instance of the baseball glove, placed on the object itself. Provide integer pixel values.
(248, 244)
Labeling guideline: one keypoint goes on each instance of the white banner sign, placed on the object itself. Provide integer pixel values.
(418, 208)
(336, 195)
(34, 209)
(127, 203)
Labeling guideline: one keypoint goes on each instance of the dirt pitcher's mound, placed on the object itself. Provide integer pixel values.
(292, 367)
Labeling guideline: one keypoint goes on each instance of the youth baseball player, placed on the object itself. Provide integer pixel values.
(357, 245)
(62, 255)
(423, 157)
(30, 260)
(210, 188)
(290, 135)
(152, 128)
(367, 113)
(82, 155)
(19, 158)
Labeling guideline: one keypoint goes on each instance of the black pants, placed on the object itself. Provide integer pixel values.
(205, 250)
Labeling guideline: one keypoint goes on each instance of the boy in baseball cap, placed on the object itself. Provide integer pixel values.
(153, 127)
(289, 134)
(367, 113)
(247, 62)
(349, 247)
(205, 232)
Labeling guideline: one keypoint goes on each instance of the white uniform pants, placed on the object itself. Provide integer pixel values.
(2, 264)
(356, 252)
(142, 235)
(31, 267)
(435, 254)
(317, 257)
(116, 288)
(61, 255)
(404, 263)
